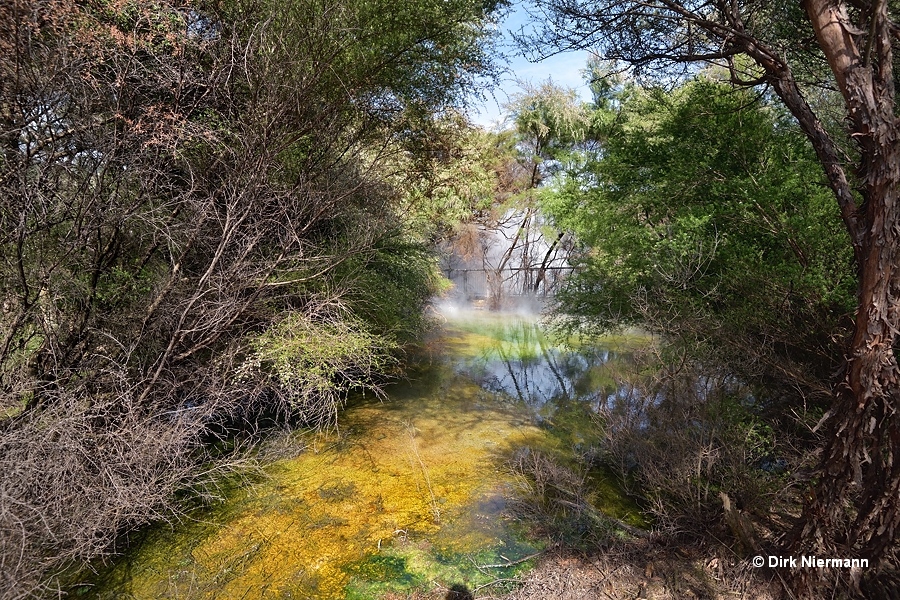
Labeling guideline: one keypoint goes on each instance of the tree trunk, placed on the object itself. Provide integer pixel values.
(863, 430)
(542, 272)
(854, 509)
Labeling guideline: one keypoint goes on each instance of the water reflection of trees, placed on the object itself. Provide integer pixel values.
(523, 364)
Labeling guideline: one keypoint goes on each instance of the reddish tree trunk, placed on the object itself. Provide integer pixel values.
(854, 509)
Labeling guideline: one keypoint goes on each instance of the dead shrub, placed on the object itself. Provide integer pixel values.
(555, 499)
(85, 468)
(680, 442)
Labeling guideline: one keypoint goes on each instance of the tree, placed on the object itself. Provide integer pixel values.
(788, 48)
(697, 239)
(519, 250)
(551, 130)
(735, 256)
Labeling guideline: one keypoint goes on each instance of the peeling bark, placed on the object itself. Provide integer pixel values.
(854, 509)
(858, 460)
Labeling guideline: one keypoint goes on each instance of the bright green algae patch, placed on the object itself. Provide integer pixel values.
(408, 492)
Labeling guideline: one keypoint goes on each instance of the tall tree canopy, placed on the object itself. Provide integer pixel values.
(795, 50)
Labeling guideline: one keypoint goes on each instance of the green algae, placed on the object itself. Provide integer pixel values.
(406, 492)
(409, 566)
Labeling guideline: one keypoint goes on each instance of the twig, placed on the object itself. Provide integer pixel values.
(495, 582)
(434, 505)
(511, 562)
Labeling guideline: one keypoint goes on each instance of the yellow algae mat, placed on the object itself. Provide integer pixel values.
(409, 492)
(393, 473)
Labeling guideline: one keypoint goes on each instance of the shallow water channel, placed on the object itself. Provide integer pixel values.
(409, 492)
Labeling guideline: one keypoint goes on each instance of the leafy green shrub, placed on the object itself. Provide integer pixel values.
(705, 220)
(312, 362)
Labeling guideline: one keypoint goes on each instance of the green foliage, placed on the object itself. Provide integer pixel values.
(195, 190)
(551, 127)
(454, 176)
(391, 287)
(314, 363)
(549, 117)
(120, 287)
(390, 68)
(704, 218)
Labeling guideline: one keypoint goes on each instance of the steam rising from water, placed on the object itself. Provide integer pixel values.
(506, 264)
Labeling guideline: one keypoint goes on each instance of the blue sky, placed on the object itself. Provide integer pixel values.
(564, 69)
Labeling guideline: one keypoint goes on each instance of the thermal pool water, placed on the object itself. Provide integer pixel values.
(408, 493)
